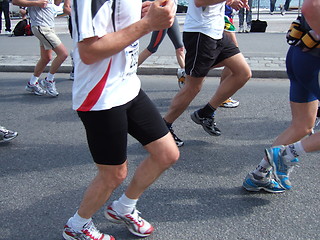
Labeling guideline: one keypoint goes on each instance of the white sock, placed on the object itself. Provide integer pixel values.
(50, 77)
(33, 80)
(125, 205)
(76, 222)
(263, 168)
(293, 150)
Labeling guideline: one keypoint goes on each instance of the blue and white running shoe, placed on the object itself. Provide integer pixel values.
(268, 184)
(281, 167)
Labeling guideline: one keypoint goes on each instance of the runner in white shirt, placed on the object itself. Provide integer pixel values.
(42, 13)
(118, 72)
(208, 20)
(207, 47)
(110, 103)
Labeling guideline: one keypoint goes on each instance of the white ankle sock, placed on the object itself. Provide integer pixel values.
(76, 222)
(50, 77)
(293, 150)
(124, 205)
(263, 168)
(33, 80)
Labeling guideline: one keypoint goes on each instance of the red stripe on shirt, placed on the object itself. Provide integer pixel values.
(95, 93)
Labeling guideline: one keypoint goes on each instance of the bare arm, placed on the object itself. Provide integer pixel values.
(310, 10)
(238, 4)
(67, 7)
(30, 3)
(57, 2)
(203, 3)
(158, 17)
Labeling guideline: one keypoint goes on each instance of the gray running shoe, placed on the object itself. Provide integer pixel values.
(7, 135)
(281, 167)
(208, 124)
(267, 184)
(50, 87)
(36, 89)
(88, 232)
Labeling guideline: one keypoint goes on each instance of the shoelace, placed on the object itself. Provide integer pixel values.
(51, 85)
(209, 121)
(37, 86)
(135, 217)
(91, 230)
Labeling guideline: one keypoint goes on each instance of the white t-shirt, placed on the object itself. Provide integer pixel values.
(208, 20)
(43, 17)
(112, 81)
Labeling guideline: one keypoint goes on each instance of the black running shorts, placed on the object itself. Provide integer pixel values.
(107, 130)
(204, 52)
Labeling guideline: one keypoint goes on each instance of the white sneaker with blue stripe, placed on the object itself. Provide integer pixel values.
(281, 167)
(267, 184)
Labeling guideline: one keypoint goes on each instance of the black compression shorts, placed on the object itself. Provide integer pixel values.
(107, 130)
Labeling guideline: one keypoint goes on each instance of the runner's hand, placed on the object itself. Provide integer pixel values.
(145, 8)
(160, 14)
(236, 4)
(42, 3)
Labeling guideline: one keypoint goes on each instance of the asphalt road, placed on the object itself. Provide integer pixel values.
(45, 170)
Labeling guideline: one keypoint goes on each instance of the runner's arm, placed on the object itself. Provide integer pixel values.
(30, 3)
(67, 7)
(158, 17)
(203, 3)
(310, 10)
(57, 2)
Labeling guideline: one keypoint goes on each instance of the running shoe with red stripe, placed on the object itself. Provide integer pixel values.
(88, 232)
(135, 224)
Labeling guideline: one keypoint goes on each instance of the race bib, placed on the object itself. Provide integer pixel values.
(132, 54)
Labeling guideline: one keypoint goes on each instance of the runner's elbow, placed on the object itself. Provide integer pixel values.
(198, 3)
(86, 57)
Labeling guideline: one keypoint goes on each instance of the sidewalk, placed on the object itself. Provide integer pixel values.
(263, 65)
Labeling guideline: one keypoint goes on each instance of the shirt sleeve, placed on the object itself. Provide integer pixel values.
(91, 19)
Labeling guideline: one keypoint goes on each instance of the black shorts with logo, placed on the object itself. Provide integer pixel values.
(204, 52)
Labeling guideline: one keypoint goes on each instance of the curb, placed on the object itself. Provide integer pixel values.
(256, 73)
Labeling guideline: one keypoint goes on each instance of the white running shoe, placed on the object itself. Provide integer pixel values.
(50, 87)
(248, 29)
(36, 89)
(230, 103)
(88, 232)
(135, 224)
(7, 135)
